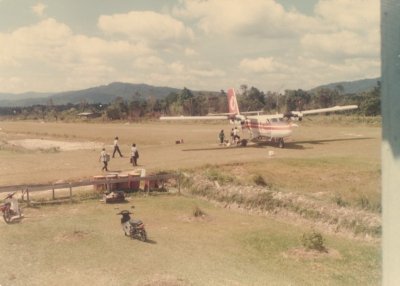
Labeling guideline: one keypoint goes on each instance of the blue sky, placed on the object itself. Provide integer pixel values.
(59, 45)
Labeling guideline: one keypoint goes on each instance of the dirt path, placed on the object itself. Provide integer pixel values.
(75, 148)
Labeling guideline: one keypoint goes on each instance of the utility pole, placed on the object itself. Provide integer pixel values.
(390, 149)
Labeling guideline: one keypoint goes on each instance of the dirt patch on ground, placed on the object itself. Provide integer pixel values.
(74, 236)
(43, 144)
(164, 280)
(202, 218)
(307, 254)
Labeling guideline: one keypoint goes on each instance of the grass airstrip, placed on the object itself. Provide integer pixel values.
(333, 164)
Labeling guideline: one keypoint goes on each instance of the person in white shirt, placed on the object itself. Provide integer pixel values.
(104, 157)
(116, 148)
(236, 137)
(134, 154)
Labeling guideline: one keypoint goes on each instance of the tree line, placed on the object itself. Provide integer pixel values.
(187, 102)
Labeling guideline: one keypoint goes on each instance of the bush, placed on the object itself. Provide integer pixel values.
(216, 175)
(197, 212)
(313, 240)
(259, 180)
(339, 201)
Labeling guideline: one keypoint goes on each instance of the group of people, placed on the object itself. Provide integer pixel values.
(235, 138)
(105, 157)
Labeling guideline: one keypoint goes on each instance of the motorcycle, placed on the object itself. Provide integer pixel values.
(132, 228)
(10, 209)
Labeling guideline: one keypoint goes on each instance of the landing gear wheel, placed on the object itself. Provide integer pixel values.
(142, 235)
(7, 216)
(281, 143)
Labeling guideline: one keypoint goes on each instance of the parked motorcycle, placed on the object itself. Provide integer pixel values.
(132, 228)
(10, 209)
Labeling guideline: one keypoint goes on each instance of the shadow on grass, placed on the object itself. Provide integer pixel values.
(321, 141)
(288, 145)
(150, 241)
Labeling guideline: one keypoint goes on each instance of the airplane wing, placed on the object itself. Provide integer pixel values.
(207, 117)
(322, 110)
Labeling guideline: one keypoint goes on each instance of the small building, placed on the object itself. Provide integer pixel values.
(87, 115)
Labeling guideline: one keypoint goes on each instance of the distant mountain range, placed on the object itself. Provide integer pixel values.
(100, 94)
(352, 87)
(107, 93)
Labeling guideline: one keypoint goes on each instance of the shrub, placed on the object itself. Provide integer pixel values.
(339, 201)
(259, 180)
(216, 175)
(197, 212)
(313, 240)
(363, 202)
(264, 201)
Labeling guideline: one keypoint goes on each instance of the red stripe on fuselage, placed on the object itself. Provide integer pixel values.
(264, 126)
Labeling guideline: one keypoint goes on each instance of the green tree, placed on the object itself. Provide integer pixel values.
(185, 99)
(371, 105)
(184, 95)
(324, 97)
(296, 99)
(118, 109)
(251, 99)
(200, 105)
(271, 101)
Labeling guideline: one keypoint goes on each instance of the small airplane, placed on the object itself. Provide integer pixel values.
(262, 128)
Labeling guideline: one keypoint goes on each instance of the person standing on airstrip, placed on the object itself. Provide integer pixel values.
(236, 137)
(221, 137)
(134, 154)
(116, 148)
(104, 158)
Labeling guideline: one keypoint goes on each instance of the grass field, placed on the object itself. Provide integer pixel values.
(83, 244)
(331, 163)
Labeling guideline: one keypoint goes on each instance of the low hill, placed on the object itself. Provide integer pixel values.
(99, 94)
(352, 87)
(107, 93)
(11, 99)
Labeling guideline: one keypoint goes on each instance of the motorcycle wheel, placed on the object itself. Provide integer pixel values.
(142, 235)
(7, 216)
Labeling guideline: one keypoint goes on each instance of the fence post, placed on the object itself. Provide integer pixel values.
(179, 182)
(148, 187)
(52, 186)
(70, 192)
(27, 196)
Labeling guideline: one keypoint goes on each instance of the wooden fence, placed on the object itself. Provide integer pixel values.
(107, 183)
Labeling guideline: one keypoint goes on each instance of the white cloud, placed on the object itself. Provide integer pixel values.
(48, 56)
(148, 63)
(38, 9)
(342, 44)
(147, 26)
(262, 65)
(355, 15)
(200, 44)
(264, 18)
(190, 52)
(351, 30)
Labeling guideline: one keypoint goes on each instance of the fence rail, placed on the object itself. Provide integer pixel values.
(29, 188)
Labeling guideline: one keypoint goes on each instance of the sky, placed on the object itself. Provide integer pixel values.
(273, 45)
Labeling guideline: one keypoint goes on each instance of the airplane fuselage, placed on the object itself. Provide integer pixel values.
(267, 127)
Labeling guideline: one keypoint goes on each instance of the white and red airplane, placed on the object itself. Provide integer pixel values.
(262, 128)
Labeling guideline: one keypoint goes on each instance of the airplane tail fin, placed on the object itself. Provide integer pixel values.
(232, 102)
